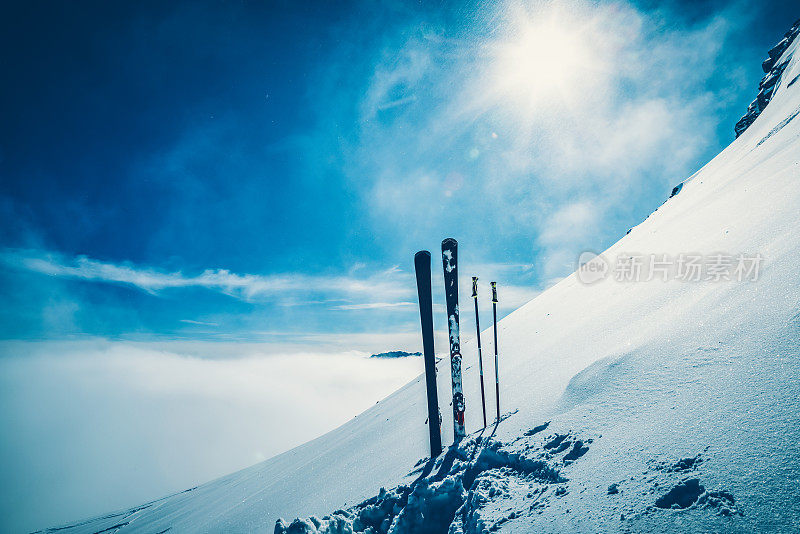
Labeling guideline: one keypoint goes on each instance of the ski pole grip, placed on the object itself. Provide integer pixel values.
(494, 291)
(474, 287)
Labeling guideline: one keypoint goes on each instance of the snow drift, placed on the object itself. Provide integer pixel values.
(661, 406)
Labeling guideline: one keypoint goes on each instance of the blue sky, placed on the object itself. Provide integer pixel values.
(209, 210)
(309, 151)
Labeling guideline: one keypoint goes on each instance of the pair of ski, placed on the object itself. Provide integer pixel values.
(422, 264)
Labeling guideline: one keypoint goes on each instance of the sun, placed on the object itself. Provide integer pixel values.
(544, 59)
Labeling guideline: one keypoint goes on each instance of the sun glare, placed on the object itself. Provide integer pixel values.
(545, 60)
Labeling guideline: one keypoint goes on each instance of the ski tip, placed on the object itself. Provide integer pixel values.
(449, 242)
(422, 254)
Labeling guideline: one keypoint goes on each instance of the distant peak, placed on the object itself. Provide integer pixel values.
(395, 354)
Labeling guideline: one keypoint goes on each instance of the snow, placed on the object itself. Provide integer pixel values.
(643, 406)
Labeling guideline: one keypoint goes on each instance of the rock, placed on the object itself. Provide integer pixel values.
(395, 354)
(773, 71)
(779, 48)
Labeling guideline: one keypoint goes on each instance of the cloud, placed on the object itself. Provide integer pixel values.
(201, 323)
(571, 221)
(374, 305)
(487, 151)
(392, 283)
(569, 228)
(388, 289)
(298, 307)
(93, 426)
(511, 280)
(393, 81)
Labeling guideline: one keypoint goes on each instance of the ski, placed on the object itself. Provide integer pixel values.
(480, 355)
(450, 264)
(422, 266)
(496, 370)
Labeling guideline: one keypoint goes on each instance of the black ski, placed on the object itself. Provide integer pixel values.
(422, 265)
(450, 264)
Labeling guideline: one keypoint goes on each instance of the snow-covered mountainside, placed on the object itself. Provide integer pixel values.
(649, 406)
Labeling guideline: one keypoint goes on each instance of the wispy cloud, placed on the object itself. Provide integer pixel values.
(376, 290)
(374, 305)
(395, 103)
(303, 304)
(200, 323)
(394, 81)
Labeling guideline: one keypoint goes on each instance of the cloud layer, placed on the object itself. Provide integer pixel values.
(94, 426)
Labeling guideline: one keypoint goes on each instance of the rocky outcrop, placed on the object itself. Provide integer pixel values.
(773, 68)
(396, 354)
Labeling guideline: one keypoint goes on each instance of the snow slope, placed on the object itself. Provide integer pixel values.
(671, 406)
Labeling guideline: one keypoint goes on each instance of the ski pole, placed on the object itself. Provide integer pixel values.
(480, 356)
(422, 265)
(496, 370)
